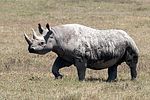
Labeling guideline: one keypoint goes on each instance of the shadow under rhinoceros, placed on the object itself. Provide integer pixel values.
(91, 79)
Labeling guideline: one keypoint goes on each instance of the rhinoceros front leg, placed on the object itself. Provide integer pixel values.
(112, 73)
(81, 68)
(58, 64)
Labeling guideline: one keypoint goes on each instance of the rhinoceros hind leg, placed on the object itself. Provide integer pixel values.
(133, 65)
(132, 61)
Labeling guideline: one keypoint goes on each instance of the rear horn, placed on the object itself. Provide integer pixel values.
(34, 34)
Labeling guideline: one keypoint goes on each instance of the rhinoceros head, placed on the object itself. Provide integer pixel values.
(41, 44)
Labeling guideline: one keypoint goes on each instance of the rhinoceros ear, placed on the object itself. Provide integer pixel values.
(47, 26)
(40, 28)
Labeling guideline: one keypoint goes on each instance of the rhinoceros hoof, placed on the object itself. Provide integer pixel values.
(115, 80)
(59, 77)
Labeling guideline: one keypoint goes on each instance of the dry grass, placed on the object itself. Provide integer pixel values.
(27, 76)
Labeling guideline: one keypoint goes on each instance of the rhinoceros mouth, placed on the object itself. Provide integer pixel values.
(41, 52)
(32, 50)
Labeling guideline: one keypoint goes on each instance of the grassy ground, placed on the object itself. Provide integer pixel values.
(26, 76)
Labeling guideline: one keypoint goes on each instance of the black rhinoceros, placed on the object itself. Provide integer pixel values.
(86, 47)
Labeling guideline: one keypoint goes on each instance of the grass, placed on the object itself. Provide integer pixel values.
(26, 76)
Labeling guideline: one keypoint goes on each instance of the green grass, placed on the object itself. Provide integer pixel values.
(27, 76)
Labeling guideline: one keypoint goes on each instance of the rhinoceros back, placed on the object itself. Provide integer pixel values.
(99, 47)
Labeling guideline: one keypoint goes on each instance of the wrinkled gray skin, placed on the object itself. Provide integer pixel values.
(86, 47)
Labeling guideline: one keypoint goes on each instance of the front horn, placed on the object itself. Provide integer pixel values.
(27, 39)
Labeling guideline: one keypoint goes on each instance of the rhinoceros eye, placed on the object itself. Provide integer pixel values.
(41, 43)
